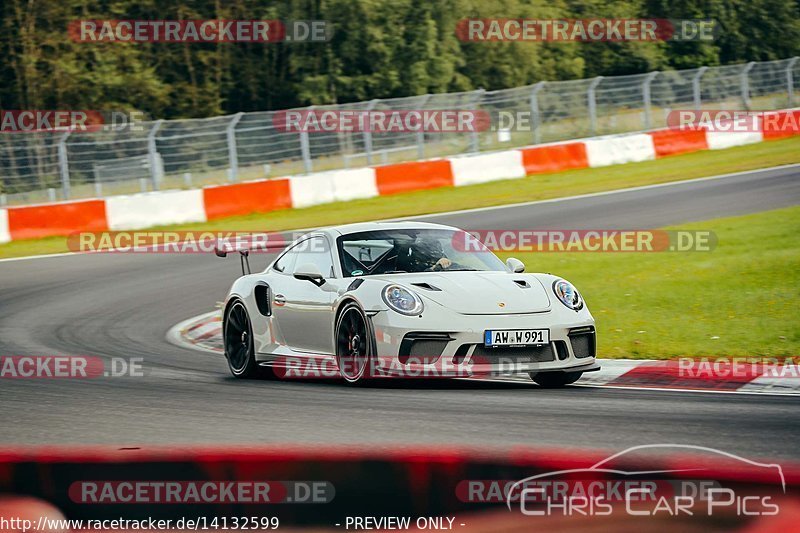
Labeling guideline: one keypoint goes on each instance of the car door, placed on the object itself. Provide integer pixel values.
(302, 309)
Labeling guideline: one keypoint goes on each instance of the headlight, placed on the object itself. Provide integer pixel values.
(568, 294)
(402, 300)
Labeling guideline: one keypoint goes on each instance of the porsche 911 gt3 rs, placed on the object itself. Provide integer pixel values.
(406, 299)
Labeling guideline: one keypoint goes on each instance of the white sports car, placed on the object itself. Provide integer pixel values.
(405, 299)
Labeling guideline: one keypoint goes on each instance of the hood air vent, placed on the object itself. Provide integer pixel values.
(426, 286)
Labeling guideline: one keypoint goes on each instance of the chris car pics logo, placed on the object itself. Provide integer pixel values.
(695, 487)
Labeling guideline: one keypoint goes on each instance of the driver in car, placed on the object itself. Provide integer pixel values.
(429, 252)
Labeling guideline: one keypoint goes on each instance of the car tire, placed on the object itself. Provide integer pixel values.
(237, 335)
(555, 380)
(355, 345)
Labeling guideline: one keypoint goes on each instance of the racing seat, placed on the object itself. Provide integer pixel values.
(405, 260)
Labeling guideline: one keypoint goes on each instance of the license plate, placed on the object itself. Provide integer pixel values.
(516, 337)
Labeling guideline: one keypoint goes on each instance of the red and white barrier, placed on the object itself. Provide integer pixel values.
(63, 218)
(719, 140)
(554, 157)
(5, 236)
(672, 142)
(140, 211)
(353, 184)
(620, 149)
(258, 196)
(333, 186)
(492, 166)
(774, 124)
(414, 176)
(313, 189)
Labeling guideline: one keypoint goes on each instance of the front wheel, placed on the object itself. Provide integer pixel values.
(354, 344)
(555, 380)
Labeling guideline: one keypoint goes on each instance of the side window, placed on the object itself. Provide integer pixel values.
(317, 252)
(287, 261)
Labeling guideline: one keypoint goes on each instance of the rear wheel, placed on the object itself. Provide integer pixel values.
(239, 346)
(354, 346)
(555, 380)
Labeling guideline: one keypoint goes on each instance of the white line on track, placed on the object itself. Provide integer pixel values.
(497, 207)
(43, 256)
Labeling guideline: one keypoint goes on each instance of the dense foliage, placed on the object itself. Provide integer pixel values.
(380, 48)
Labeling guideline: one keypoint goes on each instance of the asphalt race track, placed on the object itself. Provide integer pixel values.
(122, 306)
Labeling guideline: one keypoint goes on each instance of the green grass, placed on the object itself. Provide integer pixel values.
(538, 187)
(741, 299)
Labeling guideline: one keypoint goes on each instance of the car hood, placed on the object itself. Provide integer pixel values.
(478, 293)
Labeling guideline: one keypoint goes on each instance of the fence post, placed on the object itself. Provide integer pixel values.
(593, 104)
(421, 132)
(744, 84)
(696, 87)
(535, 115)
(790, 80)
(368, 133)
(152, 153)
(646, 96)
(475, 136)
(63, 165)
(233, 156)
(305, 149)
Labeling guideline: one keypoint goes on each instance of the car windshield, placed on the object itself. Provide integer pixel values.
(413, 250)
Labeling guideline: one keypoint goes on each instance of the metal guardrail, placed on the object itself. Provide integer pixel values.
(43, 166)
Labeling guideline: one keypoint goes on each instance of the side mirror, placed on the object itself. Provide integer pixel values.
(515, 265)
(309, 272)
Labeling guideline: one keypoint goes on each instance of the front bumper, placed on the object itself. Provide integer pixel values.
(404, 348)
